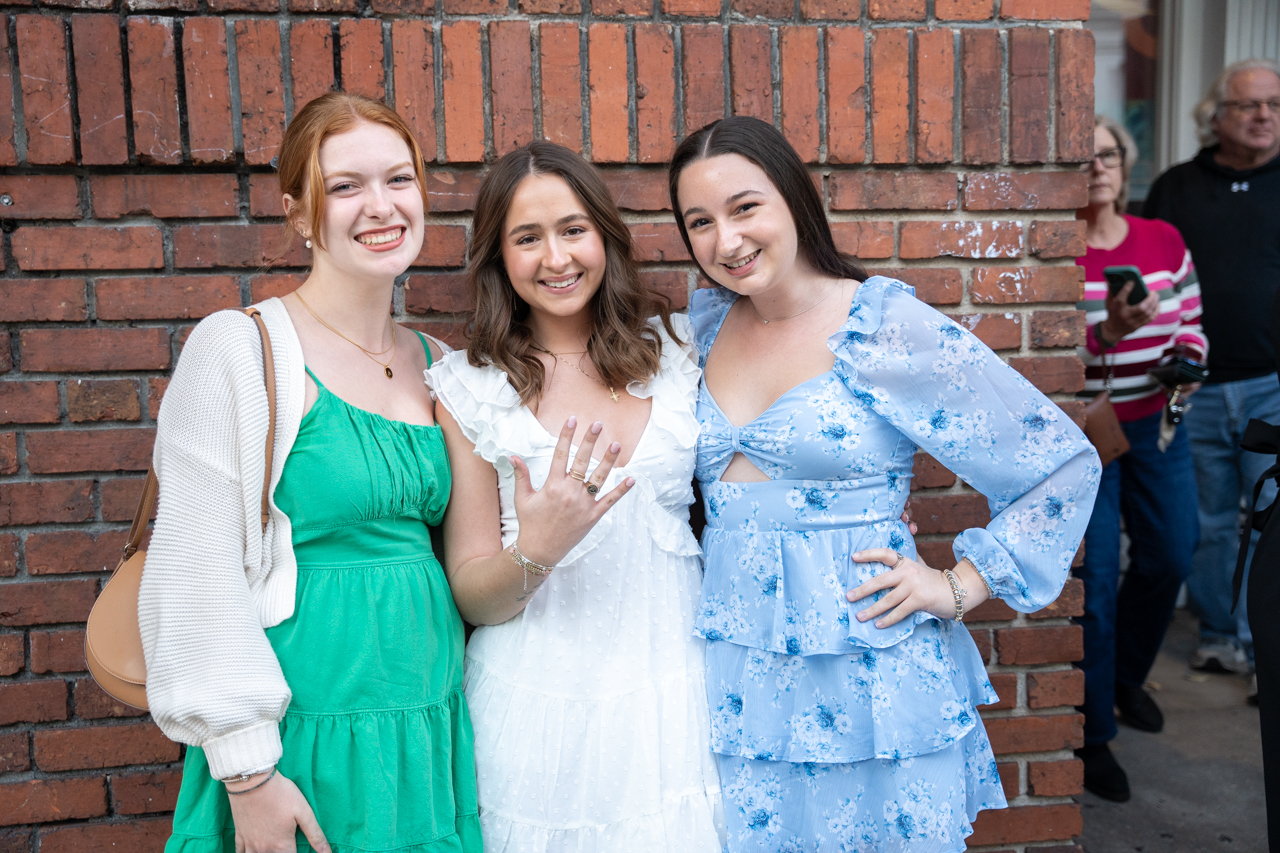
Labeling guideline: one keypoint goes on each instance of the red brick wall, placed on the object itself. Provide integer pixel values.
(137, 197)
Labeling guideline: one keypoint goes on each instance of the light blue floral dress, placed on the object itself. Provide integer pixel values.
(832, 734)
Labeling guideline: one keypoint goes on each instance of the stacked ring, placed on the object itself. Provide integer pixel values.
(578, 475)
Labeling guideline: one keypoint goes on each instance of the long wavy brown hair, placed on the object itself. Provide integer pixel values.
(621, 343)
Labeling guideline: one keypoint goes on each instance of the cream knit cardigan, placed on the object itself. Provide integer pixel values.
(213, 580)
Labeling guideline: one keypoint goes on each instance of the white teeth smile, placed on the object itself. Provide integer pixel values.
(556, 285)
(379, 239)
(748, 259)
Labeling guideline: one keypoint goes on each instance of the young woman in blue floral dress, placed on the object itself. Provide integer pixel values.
(842, 691)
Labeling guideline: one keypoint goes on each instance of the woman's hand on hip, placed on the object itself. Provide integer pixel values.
(554, 518)
(911, 586)
(267, 818)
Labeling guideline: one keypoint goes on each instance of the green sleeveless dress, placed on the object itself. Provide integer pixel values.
(377, 737)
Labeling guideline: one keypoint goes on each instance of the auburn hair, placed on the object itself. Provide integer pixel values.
(621, 343)
(298, 166)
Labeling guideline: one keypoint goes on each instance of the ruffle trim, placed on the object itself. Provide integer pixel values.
(467, 838)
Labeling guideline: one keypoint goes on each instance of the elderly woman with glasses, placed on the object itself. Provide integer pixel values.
(1152, 485)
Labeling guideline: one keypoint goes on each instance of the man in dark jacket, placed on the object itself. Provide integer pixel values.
(1226, 203)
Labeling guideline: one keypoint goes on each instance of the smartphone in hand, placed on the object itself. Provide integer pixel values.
(1117, 277)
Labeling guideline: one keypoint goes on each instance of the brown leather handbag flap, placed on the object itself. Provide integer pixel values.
(1102, 428)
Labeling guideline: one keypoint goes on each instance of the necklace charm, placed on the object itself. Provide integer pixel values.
(387, 370)
(613, 394)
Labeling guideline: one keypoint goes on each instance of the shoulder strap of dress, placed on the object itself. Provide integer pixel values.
(425, 346)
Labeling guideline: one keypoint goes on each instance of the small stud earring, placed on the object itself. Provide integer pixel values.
(308, 244)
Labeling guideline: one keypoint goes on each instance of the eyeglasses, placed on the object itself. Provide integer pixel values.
(1252, 108)
(1110, 157)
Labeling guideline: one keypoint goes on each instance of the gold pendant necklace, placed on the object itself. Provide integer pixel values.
(821, 299)
(561, 357)
(386, 368)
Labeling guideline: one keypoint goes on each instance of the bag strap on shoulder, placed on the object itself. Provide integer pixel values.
(151, 486)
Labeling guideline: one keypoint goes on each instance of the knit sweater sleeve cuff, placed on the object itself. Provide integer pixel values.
(244, 751)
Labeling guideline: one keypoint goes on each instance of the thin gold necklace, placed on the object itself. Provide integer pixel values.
(821, 299)
(561, 357)
(386, 368)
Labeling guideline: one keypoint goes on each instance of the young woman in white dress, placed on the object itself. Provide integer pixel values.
(571, 433)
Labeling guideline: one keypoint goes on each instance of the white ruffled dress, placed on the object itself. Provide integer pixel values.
(590, 707)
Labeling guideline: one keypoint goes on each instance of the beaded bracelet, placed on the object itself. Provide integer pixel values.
(991, 593)
(529, 566)
(956, 590)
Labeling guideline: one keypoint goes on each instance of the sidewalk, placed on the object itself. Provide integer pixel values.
(1197, 786)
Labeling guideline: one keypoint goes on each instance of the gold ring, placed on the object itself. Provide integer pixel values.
(580, 476)
(592, 489)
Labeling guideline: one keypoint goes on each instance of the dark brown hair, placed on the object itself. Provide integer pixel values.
(621, 343)
(762, 144)
(299, 162)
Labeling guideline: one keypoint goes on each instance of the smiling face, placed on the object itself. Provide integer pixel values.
(1105, 182)
(552, 250)
(1247, 130)
(739, 225)
(373, 211)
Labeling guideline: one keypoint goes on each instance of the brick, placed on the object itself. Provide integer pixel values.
(67, 451)
(894, 190)
(644, 191)
(1044, 733)
(937, 286)
(9, 546)
(996, 330)
(561, 85)
(413, 66)
(798, 56)
(261, 88)
(15, 757)
(208, 87)
(452, 192)
(949, 513)
(156, 386)
(164, 298)
(139, 836)
(1070, 602)
(443, 246)
(12, 655)
(831, 10)
(963, 10)
(1028, 95)
(690, 8)
(1045, 10)
(64, 247)
(8, 153)
(981, 636)
(1055, 778)
(1057, 329)
(702, 51)
(451, 331)
(1073, 121)
(463, 92)
(1006, 686)
(1061, 238)
(201, 246)
(42, 299)
(673, 284)
(896, 10)
(991, 610)
(935, 95)
(656, 92)
(929, 473)
(980, 118)
(1026, 191)
(973, 239)
(41, 800)
(444, 292)
(42, 501)
(94, 703)
(18, 840)
(164, 196)
(57, 651)
(607, 84)
(890, 116)
(145, 792)
(475, 7)
(67, 350)
(266, 286)
(102, 400)
(8, 453)
(846, 95)
(264, 196)
(153, 84)
(1055, 689)
(750, 68)
(1026, 823)
(623, 7)
(1041, 644)
(657, 242)
(1052, 374)
(1004, 285)
(763, 8)
(94, 747)
(550, 7)
(46, 93)
(311, 60)
(33, 701)
(510, 84)
(865, 239)
(360, 52)
(41, 196)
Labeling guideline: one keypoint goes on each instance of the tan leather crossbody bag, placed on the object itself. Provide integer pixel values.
(1101, 424)
(112, 640)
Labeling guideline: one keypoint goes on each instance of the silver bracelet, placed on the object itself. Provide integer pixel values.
(270, 776)
(957, 591)
(529, 566)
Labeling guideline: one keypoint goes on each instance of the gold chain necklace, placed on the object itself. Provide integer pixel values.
(821, 299)
(386, 368)
(561, 357)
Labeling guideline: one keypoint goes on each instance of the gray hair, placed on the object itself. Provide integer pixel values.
(1130, 150)
(1210, 106)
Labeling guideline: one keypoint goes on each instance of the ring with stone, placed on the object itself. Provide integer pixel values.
(593, 489)
(897, 562)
